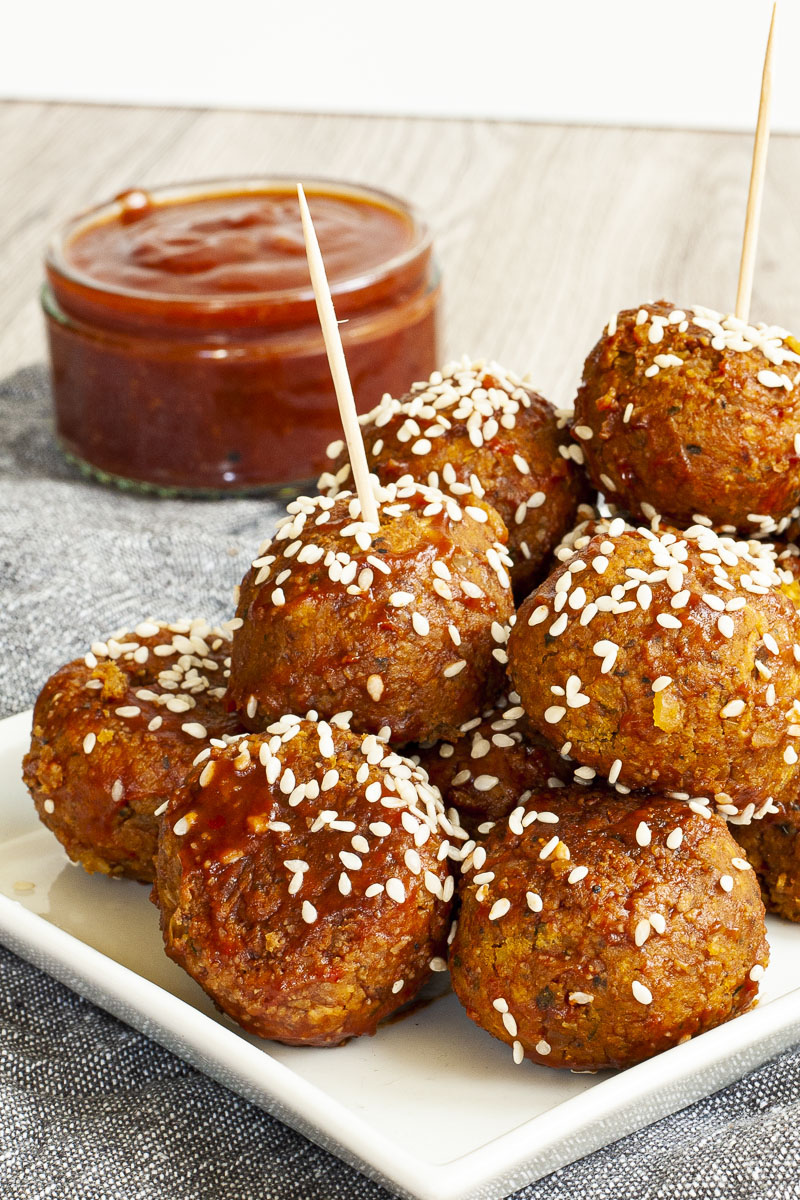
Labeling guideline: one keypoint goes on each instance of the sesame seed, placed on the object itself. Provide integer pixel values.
(581, 997)
(510, 1024)
(538, 615)
(756, 973)
(725, 625)
(643, 834)
(726, 883)
(308, 913)
(741, 864)
(181, 827)
(641, 993)
(395, 890)
(674, 839)
(543, 1047)
(485, 783)
(642, 932)
(454, 668)
(583, 432)
(662, 682)
(534, 901)
(437, 964)
(553, 714)
(577, 874)
(400, 599)
(734, 708)
(499, 908)
(667, 621)
(194, 729)
(89, 743)
(657, 922)
(608, 652)
(558, 626)
(518, 1054)
(548, 849)
(375, 687)
(420, 623)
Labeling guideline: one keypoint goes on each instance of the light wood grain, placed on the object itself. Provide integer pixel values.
(542, 231)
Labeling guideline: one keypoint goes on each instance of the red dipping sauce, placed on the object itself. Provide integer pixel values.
(185, 346)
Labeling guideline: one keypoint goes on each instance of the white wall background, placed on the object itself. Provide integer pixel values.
(693, 63)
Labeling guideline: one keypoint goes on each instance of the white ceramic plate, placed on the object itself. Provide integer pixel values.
(432, 1107)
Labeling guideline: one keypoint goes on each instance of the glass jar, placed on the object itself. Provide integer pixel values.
(185, 347)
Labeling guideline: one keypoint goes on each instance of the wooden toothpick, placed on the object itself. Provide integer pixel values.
(753, 216)
(338, 366)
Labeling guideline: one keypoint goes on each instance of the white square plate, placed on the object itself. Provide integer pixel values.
(432, 1107)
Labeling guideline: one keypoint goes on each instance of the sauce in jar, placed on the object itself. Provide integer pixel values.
(184, 339)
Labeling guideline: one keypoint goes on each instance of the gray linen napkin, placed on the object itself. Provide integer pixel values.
(90, 1110)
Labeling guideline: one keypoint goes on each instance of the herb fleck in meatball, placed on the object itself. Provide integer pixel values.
(115, 733)
(303, 881)
(597, 930)
(692, 412)
(474, 427)
(403, 628)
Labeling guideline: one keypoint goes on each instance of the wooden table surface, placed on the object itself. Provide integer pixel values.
(542, 230)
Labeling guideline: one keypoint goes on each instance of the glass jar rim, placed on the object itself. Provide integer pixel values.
(421, 239)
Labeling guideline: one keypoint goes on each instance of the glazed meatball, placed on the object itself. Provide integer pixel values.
(691, 412)
(772, 847)
(474, 427)
(303, 881)
(404, 628)
(597, 930)
(494, 765)
(669, 661)
(114, 734)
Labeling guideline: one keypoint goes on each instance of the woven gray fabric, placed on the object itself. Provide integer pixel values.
(90, 1110)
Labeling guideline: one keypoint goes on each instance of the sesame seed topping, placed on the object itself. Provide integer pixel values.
(499, 908)
(641, 993)
(726, 883)
(454, 669)
(643, 834)
(395, 890)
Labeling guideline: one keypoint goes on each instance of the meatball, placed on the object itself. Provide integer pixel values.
(772, 847)
(494, 765)
(606, 928)
(691, 412)
(475, 427)
(303, 881)
(404, 628)
(669, 661)
(114, 734)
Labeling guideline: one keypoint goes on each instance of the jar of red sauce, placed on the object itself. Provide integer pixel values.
(185, 347)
